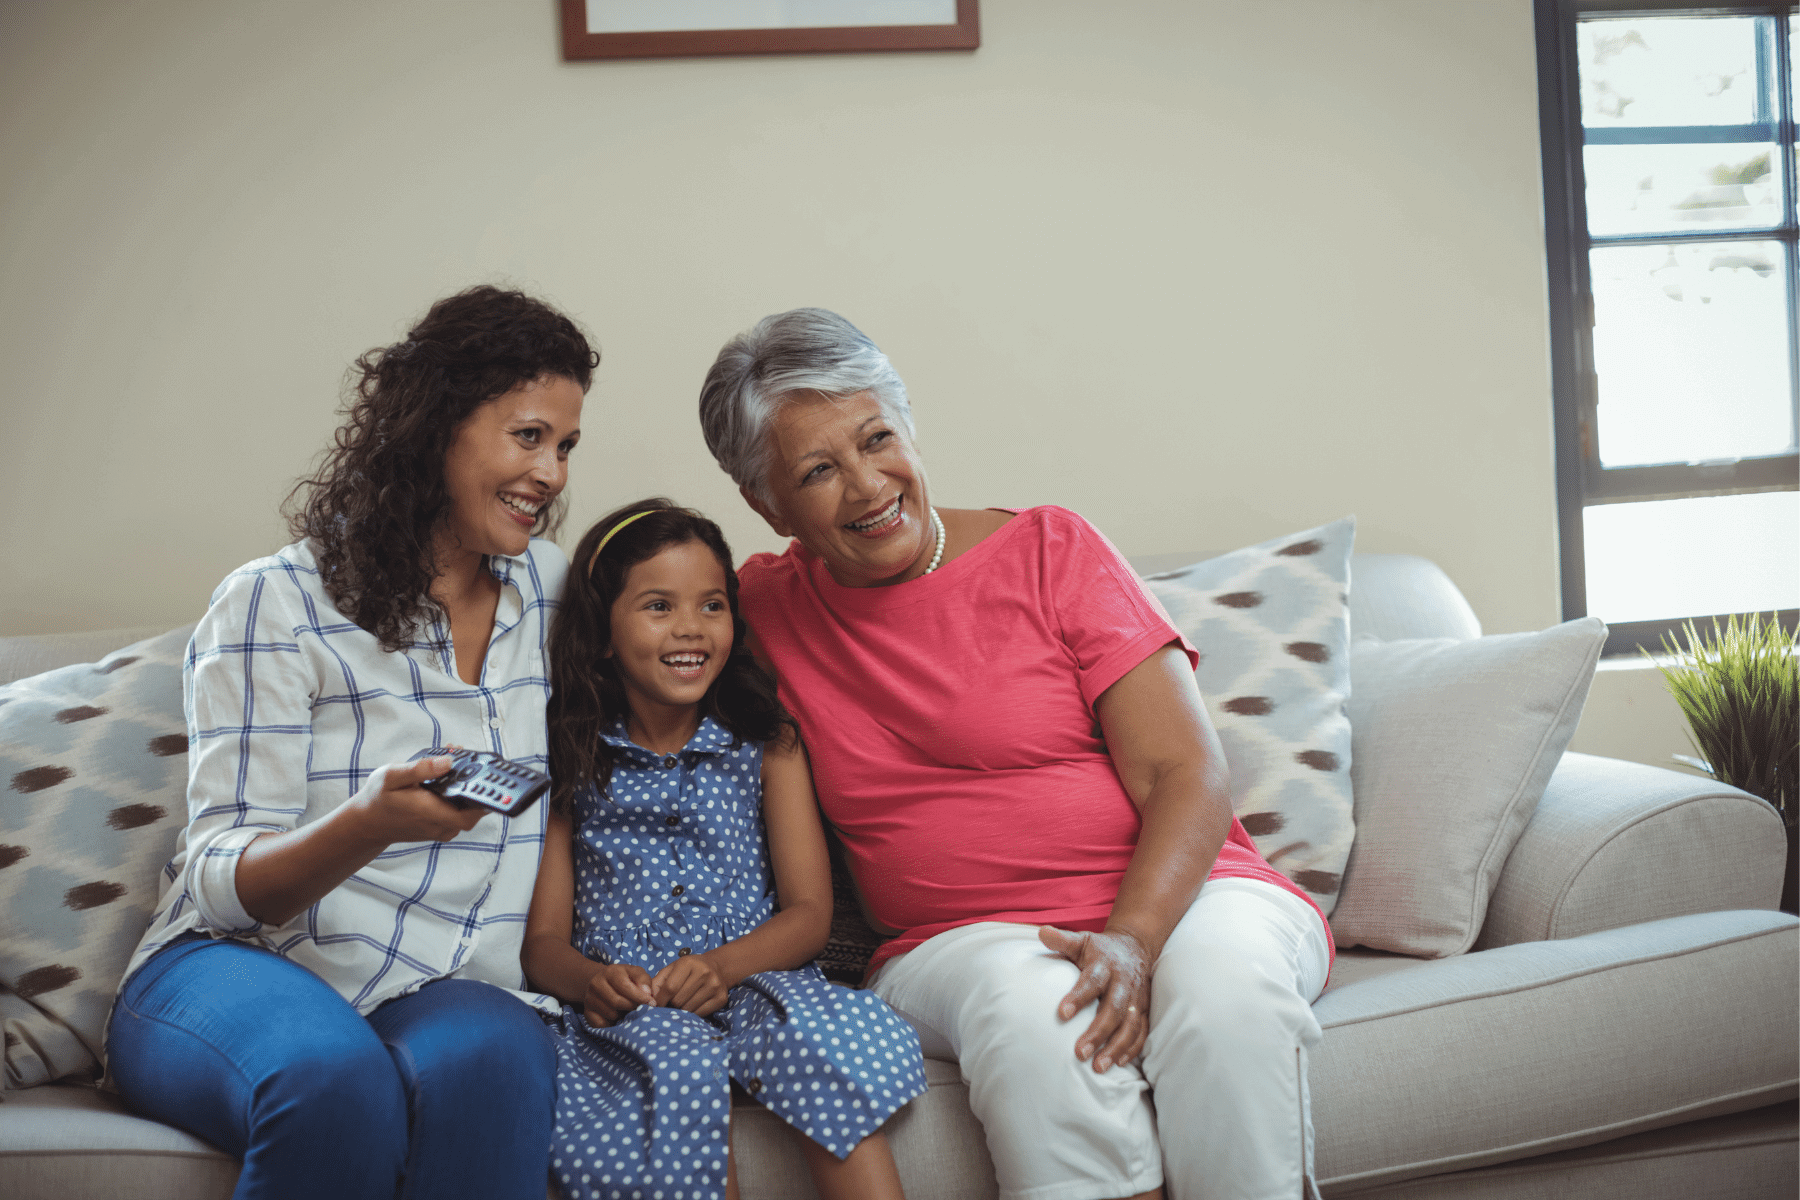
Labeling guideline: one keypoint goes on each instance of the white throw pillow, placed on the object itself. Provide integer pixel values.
(1453, 743)
(1272, 624)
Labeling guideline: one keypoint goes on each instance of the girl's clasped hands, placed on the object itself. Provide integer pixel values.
(689, 983)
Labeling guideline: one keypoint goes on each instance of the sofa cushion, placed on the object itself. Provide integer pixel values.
(1452, 744)
(1530, 1049)
(938, 1147)
(93, 783)
(1743, 1156)
(62, 1142)
(1272, 626)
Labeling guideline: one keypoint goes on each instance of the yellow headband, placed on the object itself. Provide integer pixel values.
(609, 536)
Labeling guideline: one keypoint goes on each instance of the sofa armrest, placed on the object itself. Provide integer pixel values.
(1613, 843)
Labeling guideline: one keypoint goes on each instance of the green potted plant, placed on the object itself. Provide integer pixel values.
(1739, 688)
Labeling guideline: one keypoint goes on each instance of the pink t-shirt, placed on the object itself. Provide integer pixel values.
(951, 727)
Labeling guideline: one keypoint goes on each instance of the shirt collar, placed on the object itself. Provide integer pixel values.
(710, 738)
(500, 566)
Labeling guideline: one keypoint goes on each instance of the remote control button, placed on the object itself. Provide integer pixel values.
(677, 890)
(671, 820)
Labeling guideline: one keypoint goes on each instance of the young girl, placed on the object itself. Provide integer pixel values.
(655, 918)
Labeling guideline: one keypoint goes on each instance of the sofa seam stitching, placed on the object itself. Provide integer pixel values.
(1555, 979)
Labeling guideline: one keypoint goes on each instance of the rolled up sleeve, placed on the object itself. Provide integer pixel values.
(249, 710)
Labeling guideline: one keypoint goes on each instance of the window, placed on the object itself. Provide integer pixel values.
(1669, 203)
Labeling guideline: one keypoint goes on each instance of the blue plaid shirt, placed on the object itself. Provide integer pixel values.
(289, 707)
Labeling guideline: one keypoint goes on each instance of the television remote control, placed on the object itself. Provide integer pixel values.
(484, 778)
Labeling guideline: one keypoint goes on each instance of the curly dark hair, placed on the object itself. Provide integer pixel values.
(376, 501)
(586, 694)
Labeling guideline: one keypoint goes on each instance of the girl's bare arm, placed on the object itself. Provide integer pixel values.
(551, 962)
(794, 935)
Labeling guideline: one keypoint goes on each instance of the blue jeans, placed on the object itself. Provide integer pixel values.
(448, 1092)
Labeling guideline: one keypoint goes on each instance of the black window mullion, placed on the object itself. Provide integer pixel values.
(1753, 233)
(1565, 228)
(1784, 93)
(1626, 637)
(1676, 135)
(1682, 481)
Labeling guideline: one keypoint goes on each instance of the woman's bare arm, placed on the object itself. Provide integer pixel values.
(281, 875)
(1168, 757)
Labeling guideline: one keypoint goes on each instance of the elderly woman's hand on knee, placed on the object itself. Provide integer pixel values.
(1115, 970)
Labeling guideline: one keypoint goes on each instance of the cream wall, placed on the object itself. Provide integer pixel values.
(1207, 271)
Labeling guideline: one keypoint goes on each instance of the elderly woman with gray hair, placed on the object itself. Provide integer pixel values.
(1006, 734)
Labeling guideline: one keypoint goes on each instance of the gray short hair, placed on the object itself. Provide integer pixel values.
(801, 350)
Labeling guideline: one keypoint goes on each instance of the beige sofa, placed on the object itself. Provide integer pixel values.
(1626, 1026)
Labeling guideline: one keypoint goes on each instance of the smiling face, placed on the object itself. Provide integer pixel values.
(848, 483)
(507, 461)
(671, 630)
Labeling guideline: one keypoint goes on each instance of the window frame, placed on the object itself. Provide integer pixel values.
(1581, 480)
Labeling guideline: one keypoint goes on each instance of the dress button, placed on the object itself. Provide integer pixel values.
(669, 761)
(755, 1085)
(683, 952)
(677, 890)
(671, 820)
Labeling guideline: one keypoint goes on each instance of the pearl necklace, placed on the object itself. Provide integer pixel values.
(937, 557)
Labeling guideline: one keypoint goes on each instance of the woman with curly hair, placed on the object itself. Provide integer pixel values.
(331, 988)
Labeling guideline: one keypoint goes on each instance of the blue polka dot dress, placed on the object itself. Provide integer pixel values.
(675, 863)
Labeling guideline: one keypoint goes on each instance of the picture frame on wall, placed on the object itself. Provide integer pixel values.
(594, 29)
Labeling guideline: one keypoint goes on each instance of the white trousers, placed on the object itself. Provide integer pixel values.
(1223, 1072)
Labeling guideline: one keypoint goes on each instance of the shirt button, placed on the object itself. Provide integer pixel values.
(494, 722)
(669, 761)
(677, 890)
(754, 1086)
(671, 820)
(683, 952)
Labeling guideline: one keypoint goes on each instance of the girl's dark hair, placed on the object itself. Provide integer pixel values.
(374, 505)
(586, 694)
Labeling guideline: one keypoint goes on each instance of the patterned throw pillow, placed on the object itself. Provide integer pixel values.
(1272, 624)
(852, 941)
(93, 787)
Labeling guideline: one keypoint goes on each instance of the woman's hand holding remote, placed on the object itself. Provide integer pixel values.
(392, 807)
(281, 875)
